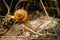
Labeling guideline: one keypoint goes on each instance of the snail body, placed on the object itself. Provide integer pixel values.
(21, 15)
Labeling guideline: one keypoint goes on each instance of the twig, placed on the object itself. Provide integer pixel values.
(44, 9)
(17, 4)
(32, 30)
(56, 4)
(24, 33)
(6, 6)
(11, 3)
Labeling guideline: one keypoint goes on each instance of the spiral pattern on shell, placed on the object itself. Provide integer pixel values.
(21, 15)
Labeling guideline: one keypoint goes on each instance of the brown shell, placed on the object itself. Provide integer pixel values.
(21, 15)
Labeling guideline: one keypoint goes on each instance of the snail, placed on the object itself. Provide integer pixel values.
(20, 15)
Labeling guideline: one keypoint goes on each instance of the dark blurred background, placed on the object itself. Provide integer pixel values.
(34, 5)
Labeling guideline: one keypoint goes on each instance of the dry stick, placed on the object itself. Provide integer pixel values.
(7, 12)
(17, 4)
(7, 7)
(52, 8)
(24, 33)
(56, 4)
(44, 9)
(28, 27)
(28, 5)
(11, 3)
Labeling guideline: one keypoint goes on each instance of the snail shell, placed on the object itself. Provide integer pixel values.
(21, 15)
